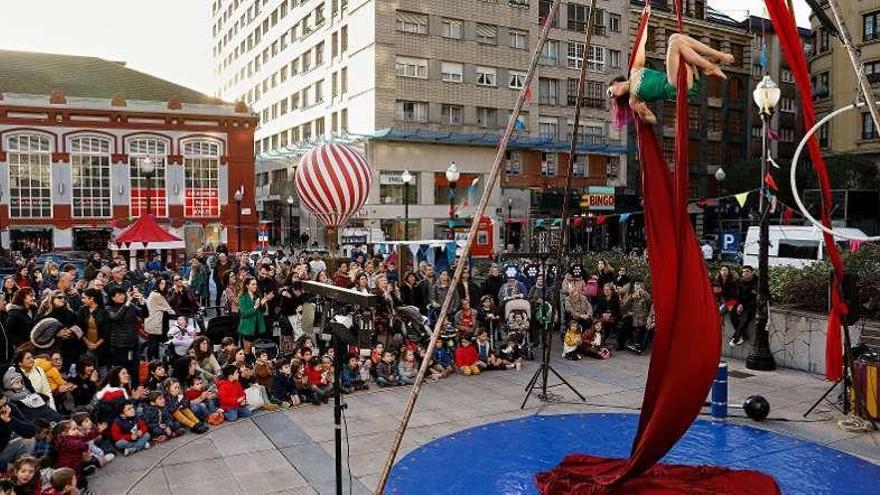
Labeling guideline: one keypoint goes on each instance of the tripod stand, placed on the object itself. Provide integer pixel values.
(544, 371)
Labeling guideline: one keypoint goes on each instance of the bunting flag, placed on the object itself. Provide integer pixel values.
(787, 215)
(768, 179)
(763, 56)
(528, 96)
(624, 217)
(600, 219)
(741, 198)
(771, 134)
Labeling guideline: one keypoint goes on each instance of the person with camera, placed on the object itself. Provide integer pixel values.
(181, 298)
(123, 312)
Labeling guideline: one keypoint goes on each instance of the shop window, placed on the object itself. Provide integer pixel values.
(90, 170)
(30, 188)
(201, 167)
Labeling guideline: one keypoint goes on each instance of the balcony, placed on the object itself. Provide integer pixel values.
(589, 102)
(522, 4)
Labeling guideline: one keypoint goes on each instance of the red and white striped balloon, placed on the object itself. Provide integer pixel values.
(333, 181)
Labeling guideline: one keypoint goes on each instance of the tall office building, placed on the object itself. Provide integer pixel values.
(419, 84)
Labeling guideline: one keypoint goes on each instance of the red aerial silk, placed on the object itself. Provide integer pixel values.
(786, 31)
(687, 342)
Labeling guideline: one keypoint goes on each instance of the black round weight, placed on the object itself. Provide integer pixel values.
(756, 407)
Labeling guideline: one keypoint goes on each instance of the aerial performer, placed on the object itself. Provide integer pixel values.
(645, 85)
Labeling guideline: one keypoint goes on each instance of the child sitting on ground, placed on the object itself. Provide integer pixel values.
(72, 448)
(386, 371)
(233, 401)
(466, 358)
(129, 431)
(177, 407)
(202, 402)
(263, 369)
(62, 482)
(571, 342)
(283, 388)
(317, 377)
(227, 351)
(441, 364)
(511, 354)
(84, 423)
(304, 385)
(156, 374)
(407, 369)
(352, 379)
(489, 360)
(159, 423)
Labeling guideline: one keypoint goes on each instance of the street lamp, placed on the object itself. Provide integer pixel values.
(720, 175)
(290, 221)
(147, 169)
(507, 229)
(239, 195)
(406, 178)
(452, 176)
(766, 97)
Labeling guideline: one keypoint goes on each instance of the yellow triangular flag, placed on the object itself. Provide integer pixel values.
(741, 198)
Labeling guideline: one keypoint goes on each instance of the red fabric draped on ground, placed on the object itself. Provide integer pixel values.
(579, 475)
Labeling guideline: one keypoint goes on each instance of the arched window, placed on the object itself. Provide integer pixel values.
(90, 169)
(201, 171)
(30, 175)
(156, 149)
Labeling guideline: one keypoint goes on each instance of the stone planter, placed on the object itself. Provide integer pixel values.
(797, 339)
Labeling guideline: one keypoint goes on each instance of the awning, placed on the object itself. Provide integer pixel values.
(145, 233)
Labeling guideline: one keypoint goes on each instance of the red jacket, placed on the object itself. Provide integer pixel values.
(314, 375)
(228, 393)
(342, 280)
(70, 449)
(121, 429)
(466, 356)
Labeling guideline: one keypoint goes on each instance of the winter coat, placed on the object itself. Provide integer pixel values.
(19, 323)
(123, 319)
(228, 394)
(637, 308)
(466, 356)
(251, 322)
(122, 428)
(158, 307)
(492, 285)
(282, 387)
(69, 449)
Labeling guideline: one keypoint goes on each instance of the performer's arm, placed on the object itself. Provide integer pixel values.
(639, 58)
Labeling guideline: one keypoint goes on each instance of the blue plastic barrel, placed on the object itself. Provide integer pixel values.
(719, 392)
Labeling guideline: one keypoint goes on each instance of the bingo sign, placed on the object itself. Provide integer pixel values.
(598, 198)
(202, 202)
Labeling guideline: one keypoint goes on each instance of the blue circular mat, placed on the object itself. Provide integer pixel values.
(504, 457)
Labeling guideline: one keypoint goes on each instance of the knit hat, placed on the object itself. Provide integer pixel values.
(10, 378)
(43, 333)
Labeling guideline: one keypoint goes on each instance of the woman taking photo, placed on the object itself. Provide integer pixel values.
(250, 306)
(68, 340)
(155, 323)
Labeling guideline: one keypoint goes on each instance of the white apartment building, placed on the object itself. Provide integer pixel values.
(419, 84)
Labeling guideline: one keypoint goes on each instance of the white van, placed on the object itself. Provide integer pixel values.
(793, 245)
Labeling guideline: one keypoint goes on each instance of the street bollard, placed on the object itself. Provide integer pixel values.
(719, 392)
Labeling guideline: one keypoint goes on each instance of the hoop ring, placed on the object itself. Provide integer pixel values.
(794, 189)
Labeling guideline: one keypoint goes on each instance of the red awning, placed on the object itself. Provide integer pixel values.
(145, 231)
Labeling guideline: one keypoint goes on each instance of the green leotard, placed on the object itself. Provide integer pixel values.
(654, 86)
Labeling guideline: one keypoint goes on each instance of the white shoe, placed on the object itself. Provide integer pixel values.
(108, 458)
(147, 445)
(127, 452)
(518, 366)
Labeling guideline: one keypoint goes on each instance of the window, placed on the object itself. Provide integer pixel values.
(550, 53)
(30, 179)
(575, 54)
(786, 135)
(614, 23)
(411, 22)
(343, 39)
(544, 7)
(786, 104)
(343, 119)
(594, 96)
(614, 58)
(319, 53)
(486, 76)
(441, 187)
(820, 81)
(294, 101)
(577, 17)
(872, 26)
(548, 91)
(334, 45)
(343, 80)
(306, 61)
(516, 79)
(825, 40)
(513, 165)
(334, 85)
(734, 89)
(411, 67)
(599, 23)
(452, 28)
(522, 121)
(519, 39)
(786, 76)
(823, 136)
(798, 249)
(201, 171)
(487, 117)
(548, 128)
(868, 131)
(734, 122)
(597, 58)
(412, 111)
(156, 150)
(487, 34)
(694, 118)
(451, 114)
(90, 170)
(713, 154)
(713, 120)
(548, 164)
(451, 71)
(319, 91)
(651, 39)
(392, 188)
(579, 167)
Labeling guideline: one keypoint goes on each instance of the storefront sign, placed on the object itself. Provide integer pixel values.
(391, 178)
(139, 201)
(599, 198)
(202, 202)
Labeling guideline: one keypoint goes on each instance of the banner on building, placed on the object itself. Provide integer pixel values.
(599, 198)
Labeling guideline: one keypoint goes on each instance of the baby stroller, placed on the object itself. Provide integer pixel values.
(517, 319)
(222, 325)
(415, 325)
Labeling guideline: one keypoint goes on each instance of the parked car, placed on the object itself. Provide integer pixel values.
(61, 259)
(7, 267)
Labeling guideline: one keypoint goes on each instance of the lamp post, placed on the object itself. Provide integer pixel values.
(720, 175)
(406, 178)
(452, 176)
(766, 96)
(507, 228)
(148, 168)
(239, 195)
(290, 221)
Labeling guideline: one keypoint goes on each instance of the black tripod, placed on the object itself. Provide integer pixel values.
(543, 371)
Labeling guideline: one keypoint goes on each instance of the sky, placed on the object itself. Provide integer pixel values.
(170, 39)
